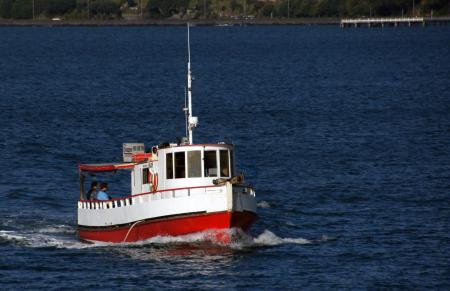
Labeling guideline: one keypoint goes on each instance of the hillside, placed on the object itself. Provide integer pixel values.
(215, 9)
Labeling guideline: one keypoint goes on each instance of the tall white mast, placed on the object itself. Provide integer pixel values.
(192, 120)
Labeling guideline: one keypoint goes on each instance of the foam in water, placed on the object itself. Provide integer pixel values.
(241, 240)
(63, 236)
(263, 204)
(268, 238)
(36, 240)
(57, 229)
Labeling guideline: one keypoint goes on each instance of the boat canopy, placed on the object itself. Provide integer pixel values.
(105, 167)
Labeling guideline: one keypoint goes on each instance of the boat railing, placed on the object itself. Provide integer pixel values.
(162, 194)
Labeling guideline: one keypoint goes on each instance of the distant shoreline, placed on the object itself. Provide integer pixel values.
(170, 22)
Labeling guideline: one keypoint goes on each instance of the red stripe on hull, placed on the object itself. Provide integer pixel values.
(169, 227)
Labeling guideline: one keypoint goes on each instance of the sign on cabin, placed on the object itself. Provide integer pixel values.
(129, 149)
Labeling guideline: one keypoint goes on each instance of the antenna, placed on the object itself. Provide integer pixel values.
(185, 109)
(189, 48)
(192, 120)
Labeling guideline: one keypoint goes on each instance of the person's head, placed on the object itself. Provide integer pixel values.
(104, 186)
(94, 185)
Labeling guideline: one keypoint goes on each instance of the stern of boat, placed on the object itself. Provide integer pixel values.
(241, 202)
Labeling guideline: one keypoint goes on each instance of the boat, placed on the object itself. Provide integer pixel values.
(224, 24)
(176, 189)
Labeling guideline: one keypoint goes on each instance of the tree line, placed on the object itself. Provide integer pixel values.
(217, 9)
(70, 9)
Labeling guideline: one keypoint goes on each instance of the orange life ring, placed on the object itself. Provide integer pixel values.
(149, 177)
(155, 182)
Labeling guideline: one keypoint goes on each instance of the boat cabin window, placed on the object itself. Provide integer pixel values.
(231, 163)
(216, 163)
(210, 164)
(145, 176)
(180, 165)
(224, 164)
(169, 166)
(194, 164)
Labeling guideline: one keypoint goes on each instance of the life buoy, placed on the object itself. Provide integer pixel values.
(149, 177)
(155, 182)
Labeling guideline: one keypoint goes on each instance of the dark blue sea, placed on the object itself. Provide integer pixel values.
(345, 134)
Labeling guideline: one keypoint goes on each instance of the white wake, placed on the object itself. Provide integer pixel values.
(65, 237)
(263, 204)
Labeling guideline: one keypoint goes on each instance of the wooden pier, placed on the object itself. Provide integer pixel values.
(398, 21)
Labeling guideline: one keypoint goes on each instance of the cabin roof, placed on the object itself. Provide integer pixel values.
(217, 145)
(109, 167)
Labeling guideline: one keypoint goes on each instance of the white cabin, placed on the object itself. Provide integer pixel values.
(181, 165)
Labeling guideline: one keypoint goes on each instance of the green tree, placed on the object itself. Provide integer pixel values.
(5, 8)
(157, 9)
(58, 7)
(321, 8)
(22, 9)
(131, 3)
(392, 7)
(440, 7)
(82, 6)
(236, 6)
(333, 8)
(302, 8)
(358, 7)
(166, 8)
(105, 9)
(200, 8)
(281, 9)
(268, 10)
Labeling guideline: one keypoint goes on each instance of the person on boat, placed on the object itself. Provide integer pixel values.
(102, 195)
(92, 193)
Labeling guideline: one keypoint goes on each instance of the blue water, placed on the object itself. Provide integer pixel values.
(345, 135)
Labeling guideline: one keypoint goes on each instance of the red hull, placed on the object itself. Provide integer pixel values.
(170, 227)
